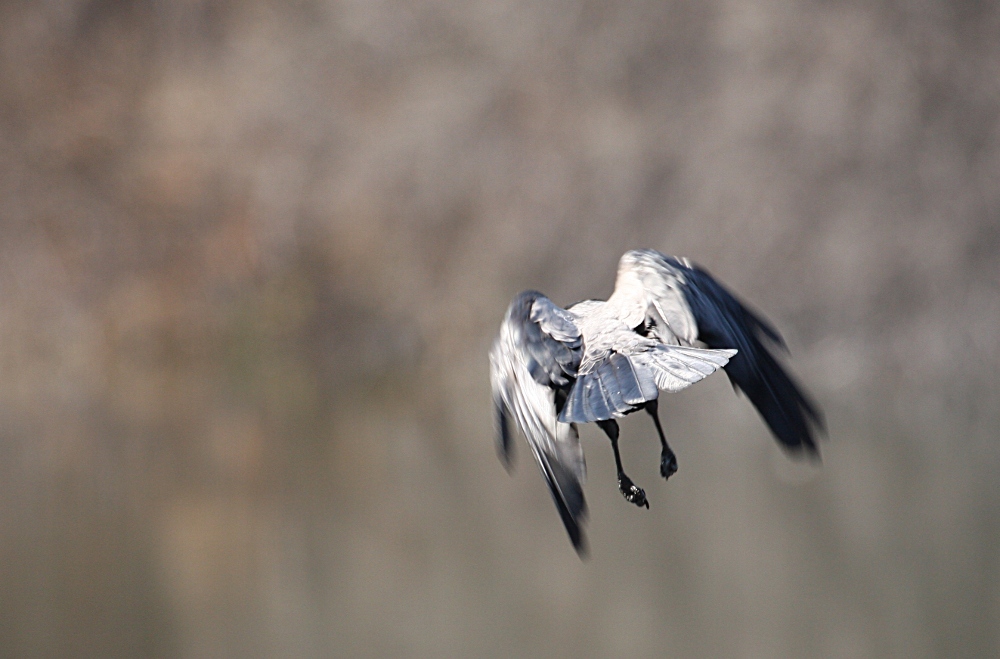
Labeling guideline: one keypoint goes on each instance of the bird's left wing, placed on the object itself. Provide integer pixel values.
(533, 363)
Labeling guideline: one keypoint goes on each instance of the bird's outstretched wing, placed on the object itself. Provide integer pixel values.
(533, 363)
(686, 303)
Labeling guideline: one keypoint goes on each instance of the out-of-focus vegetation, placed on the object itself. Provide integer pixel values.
(252, 255)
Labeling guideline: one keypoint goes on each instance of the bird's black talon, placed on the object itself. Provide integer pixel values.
(631, 492)
(668, 464)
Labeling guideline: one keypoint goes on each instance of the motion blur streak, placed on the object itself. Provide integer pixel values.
(252, 255)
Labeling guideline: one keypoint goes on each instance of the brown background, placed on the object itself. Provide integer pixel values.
(252, 255)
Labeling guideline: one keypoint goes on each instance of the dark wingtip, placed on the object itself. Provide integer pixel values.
(575, 532)
(568, 496)
(504, 443)
(573, 527)
(818, 431)
(725, 322)
(507, 460)
(792, 417)
(807, 451)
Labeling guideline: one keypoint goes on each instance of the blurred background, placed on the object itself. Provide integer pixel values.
(252, 256)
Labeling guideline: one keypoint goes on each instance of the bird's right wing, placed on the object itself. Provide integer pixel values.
(724, 320)
(696, 306)
(533, 362)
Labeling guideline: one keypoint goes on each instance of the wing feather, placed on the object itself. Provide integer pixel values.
(687, 297)
(723, 319)
(533, 362)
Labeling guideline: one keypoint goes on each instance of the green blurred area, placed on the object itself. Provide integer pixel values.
(252, 256)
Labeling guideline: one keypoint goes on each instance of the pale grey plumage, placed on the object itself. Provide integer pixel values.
(667, 325)
(646, 361)
(692, 306)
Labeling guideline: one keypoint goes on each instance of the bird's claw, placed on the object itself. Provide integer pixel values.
(631, 492)
(668, 464)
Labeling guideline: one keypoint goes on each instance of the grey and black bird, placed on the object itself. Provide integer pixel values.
(667, 325)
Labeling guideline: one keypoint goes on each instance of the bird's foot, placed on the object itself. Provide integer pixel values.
(631, 492)
(668, 464)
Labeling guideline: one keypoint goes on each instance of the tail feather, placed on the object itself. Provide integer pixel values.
(678, 367)
(621, 383)
(615, 387)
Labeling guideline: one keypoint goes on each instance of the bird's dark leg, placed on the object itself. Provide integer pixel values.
(631, 492)
(668, 461)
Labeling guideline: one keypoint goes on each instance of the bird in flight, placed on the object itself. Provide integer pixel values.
(667, 325)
